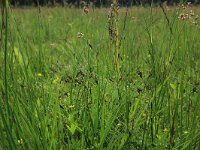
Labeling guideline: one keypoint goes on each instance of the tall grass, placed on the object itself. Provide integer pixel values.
(59, 90)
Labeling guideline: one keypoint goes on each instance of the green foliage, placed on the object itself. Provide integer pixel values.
(97, 3)
(61, 91)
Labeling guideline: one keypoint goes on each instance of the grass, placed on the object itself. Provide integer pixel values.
(60, 91)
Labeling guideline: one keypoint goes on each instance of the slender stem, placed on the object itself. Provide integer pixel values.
(7, 124)
(6, 55)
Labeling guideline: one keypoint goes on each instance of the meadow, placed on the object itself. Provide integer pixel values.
(76, 80)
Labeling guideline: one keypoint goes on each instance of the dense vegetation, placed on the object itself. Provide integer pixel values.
(78, 79)
(95, 2)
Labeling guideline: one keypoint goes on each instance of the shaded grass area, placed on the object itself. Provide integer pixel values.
(63, 92)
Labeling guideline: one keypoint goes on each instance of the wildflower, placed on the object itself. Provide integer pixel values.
(56, 80)
(85, 10)
(39, 75)
(71, 106)
(119, 125)
(166, 130)
(20, 141)
(80, 35)
(185, 132)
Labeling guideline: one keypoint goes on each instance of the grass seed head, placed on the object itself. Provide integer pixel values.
(71, 106)
(20, 141)
(85, 10)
